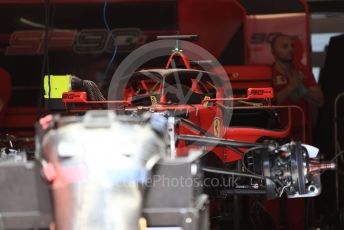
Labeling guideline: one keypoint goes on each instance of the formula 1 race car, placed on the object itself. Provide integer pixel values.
(235, 138)
(176, 142)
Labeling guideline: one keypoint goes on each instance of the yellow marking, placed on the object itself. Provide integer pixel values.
(153, 100)
(58, 84)
(235, 75)
(142, 223)
(217, 127)
(206, 103)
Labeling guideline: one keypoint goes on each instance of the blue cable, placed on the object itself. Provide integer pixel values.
(113, 39)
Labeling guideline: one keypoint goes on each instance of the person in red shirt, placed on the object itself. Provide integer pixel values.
(293, 84)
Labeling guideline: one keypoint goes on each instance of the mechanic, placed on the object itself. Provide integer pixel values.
(293, 84)
(5, 92)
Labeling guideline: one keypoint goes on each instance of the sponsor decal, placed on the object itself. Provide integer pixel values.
(86, 41)
(260, 93)
(74, 97)
(261, 29)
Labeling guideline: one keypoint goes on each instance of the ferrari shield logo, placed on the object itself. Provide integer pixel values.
(206, 103)
(153, 100)
(217, 125)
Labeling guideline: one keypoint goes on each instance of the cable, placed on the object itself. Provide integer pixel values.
(337, 155)
(112, 37)
(93, 91)
(47, 28)
(45, 62)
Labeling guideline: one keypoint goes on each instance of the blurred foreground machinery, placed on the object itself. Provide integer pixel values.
(107, 171)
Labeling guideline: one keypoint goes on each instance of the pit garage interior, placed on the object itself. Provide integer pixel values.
(167, 114)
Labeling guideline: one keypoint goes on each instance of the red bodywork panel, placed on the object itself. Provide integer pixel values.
(74, 97)
(254, 76)
(215, 22)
